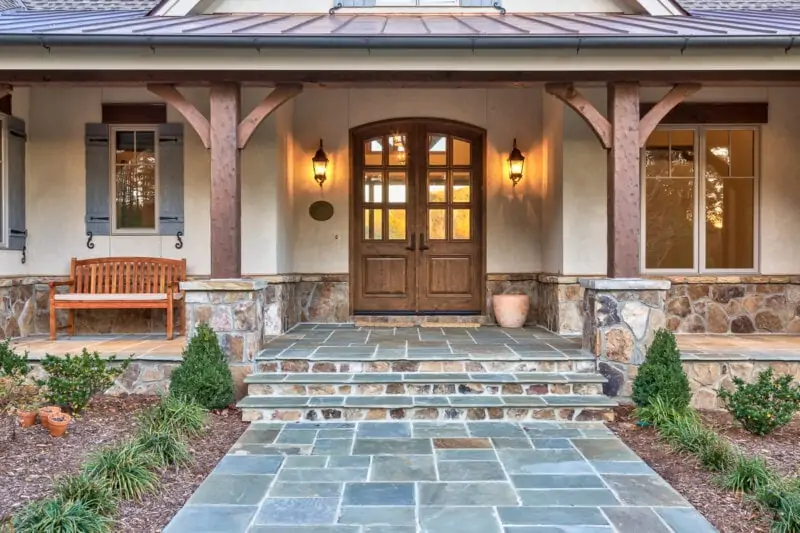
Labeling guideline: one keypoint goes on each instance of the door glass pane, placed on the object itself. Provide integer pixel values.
(397, 149)
(461, 224)
(437, 224)
(437, 186)
(397, 187)
(461, 186)
(373, 152)
(718, 153)
(669, 219)
(682, 153)
(729, 206)
(742, 153)
(656, 155)
(373, 224)
(437, 150)
(397, 224)
(373, 187)
(461, 155)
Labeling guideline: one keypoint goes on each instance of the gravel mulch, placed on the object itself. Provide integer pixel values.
(31, 460)
(722, 508)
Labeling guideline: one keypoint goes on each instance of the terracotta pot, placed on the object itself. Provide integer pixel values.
(26, 418)
(46, 412)
(58, 424)
(511, 310)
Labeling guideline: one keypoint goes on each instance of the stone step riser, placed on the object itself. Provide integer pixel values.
(304, 365)
(337, 414)
(423, 389)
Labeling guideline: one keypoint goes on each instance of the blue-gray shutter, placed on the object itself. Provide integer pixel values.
(98, 180)
(170, 179)
(371, 3)
(17, 231)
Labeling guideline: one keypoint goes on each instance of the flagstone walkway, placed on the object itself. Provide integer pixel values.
(434, 477)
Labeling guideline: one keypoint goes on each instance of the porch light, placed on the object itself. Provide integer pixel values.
(516, 164)
(320, 161)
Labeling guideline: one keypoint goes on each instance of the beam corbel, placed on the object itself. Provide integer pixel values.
(195, 118)
(5, 89)
(567, 93)
(279, 96)
(675, 96)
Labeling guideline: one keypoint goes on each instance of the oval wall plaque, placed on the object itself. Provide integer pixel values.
(321, 210)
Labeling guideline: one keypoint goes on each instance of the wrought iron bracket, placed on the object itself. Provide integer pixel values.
(335, 8)
(89, 243)
(24, 234)
(179, 244)
(500, 8)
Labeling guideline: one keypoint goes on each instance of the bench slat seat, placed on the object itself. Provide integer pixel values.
(89, 298)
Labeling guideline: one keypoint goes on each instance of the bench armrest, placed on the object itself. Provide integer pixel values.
(54, 284)
(174, 286)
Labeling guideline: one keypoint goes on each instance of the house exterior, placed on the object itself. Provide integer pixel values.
(659, 144)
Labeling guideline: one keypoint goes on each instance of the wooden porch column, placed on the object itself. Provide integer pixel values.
(226, 183)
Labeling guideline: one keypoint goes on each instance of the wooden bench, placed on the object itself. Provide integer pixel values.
(121, 283)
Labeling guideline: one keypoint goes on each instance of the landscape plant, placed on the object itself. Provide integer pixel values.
(167, 448)
(747, 475)
(126, 468)
(174, 414)
(203, 375)
(93, 492)
(73, 380)
(60, 516)
(661, 374)
(764, 405)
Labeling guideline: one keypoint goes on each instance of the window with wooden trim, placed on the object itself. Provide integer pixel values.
(134, 179)
(414, 3)
(700, 199)
(13, 232)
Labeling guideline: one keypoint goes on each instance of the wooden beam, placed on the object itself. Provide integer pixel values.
(715, 113)
(624, 214)
(279, 96)
(5, 89)
(226, 184)
(567, 93)
(195, 118)
(655, 115)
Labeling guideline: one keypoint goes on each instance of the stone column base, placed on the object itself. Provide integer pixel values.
(620, 318)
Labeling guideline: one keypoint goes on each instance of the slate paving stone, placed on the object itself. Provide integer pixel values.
(257, 436)
(305, 490)
(456, 443)
(604, 450)
(569, 497)
(551, 444)
(336, 434)
(432, 401)
(296, 436)
(466, 494)
(304, 461)
(471, 471)
(378, 494)
(552, 516)
(495, 429)
(327, 401)
(383, 430)
(644, 490)
(332, 446)
(557, 481)
(378, 516)
(260, 449)
(212, 519)
(297, 511)
(304, 529)
(461, 519)
(466, 455)
(221, 489)
(249, 464)
(389, 529)
(685, 521)
(311, 475)
(636, 520)
(618, 467)
(544, 462)
(392, 447)
(437, 429)
(403, 468)
(509, 443)
(553, 433)
(348, 461)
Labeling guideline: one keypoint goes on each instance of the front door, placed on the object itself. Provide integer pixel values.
(417, 233)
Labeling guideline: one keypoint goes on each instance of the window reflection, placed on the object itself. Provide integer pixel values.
(135, 179)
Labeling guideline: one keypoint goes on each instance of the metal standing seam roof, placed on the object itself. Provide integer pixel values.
(85, 26)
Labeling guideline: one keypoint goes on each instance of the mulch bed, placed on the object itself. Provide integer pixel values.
(723, 509)
(31, 459)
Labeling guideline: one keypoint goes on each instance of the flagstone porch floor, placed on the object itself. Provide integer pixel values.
(434, 477)
(144, 346)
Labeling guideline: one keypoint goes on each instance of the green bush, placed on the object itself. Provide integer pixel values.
(203, 376)
(126, 470)
(93, 493)
(659, 412)
(782, 499)
(661, 375)
(73, 380)
(12, 364)
(765, 405)
(166, 447)
(747, 474)
(60, 516)
(175, 415)
(717, 455)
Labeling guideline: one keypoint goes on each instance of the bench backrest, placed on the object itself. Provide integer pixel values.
(126, 275)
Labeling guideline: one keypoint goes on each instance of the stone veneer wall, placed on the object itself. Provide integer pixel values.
(560, 304)
(291, 299)
(513, 284)
(734, 304)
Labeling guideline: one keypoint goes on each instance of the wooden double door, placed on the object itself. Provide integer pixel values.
(417, 234)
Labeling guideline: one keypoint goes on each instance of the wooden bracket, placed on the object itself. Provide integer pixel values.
(279, 96)
(567, 93)
(675, 96)
(173, 97)
(5, 89)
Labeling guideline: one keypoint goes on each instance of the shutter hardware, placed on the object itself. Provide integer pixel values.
(24, 234)
(178, 235)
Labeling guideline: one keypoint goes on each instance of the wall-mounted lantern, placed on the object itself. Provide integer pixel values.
(320, 161)
(516, 164)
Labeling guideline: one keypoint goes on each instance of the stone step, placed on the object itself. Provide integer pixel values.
(424, 321)
(465, 407)
(423, 383)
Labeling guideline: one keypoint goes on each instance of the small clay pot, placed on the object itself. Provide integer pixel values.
(26, 418)
(58, 424)
(46, 412)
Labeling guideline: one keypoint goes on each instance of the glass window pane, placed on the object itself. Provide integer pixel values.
(461, 224)
(669, 223)
(135, 196)
(743, 153)
(461, 152)
(461, 187)
(437, 186)
(437, 150)
(373, 152)
(682, 153)
(146, 141)
(373, 187)
(437, 224)
(729, 206)
(397, 149)
(656, 155)
(397, 224)
(397, 187)
(373, 224)
(718, 154)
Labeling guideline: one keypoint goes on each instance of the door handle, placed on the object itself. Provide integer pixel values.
(413, 245)
(422, 245)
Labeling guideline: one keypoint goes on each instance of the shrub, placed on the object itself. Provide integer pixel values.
(782, 498)
(662, 374)
(165, 447)
(660, 412)
(73, 380)
(747, 474)
(203, 376)
(125, 468)
(175, 415)
(93, 493)
(60, 516)
(716, 455)
(765, 405)
(12, 364)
